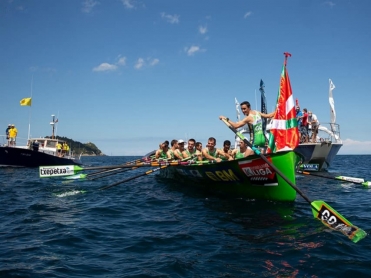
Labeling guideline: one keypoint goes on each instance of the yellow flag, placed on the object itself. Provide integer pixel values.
(26, 101)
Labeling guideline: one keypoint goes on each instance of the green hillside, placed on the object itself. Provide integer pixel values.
(78, 147)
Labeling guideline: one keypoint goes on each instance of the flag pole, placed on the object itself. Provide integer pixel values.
(29, 114)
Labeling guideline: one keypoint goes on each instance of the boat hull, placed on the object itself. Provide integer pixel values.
(321, 154)
(18, 157)
(249, 177)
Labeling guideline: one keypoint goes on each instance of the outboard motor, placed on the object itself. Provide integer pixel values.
(35, 146)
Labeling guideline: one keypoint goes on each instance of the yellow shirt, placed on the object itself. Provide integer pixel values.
(13, 132)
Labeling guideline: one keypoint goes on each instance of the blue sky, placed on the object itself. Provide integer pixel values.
(128, 74)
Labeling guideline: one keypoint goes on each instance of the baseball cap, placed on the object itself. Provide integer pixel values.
(180, 141)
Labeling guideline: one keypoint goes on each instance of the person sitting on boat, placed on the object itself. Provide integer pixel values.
(7, 133)
(198, 147)
(178, 152)
(59, 149)
(242, 151)
(225, 153)
(315, 124)
(191, 150)
(12, 135)
(174, 146)
(255, 118)
(210, 152)
(162, 152)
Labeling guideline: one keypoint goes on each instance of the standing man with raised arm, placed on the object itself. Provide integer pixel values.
(252, 117)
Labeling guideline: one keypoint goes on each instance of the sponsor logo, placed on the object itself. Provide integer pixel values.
(334, 222)
(224, 175)
(53, 171)
(259, 172)
(310, 167)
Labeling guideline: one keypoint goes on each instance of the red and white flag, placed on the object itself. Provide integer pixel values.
(284, 133)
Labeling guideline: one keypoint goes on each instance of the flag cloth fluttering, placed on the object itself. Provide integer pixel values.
(332, 102)
(284, 133)
(332, 107)
(237, 109)
(26, 101)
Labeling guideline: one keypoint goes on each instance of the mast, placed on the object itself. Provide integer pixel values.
(52, 123)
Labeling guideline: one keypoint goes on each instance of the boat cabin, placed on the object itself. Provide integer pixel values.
(47, 145)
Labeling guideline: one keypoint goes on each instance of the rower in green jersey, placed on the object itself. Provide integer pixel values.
(198, 147)
(178, 152)
(225, 152)
(255, 119)
(174, 147)
(210, 152)
(191, 150)
(162, 152)
(242, 151)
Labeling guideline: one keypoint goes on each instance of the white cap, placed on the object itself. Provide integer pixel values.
(180, 141)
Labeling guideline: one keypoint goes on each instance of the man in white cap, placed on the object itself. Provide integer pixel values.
(178, 152)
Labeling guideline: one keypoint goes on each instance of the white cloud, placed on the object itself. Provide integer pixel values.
(88, 5)
(247, 14)
(128, 4)
(329, 3)
(202, 30)
(105, 67)
(121, 61)
(351, 146)
(193, 50)
(139, 64)
(154, 62)
(170, 18)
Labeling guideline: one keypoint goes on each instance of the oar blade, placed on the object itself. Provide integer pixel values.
(335, 221)
(75, 177)
(350, 179)
(58, 171)
(366, 183)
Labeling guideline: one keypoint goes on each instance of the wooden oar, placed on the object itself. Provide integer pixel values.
(341, 178)
(132, 178)
(106, 171)
(115, 173)
(320, 209)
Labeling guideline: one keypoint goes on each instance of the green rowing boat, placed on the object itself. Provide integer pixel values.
(249, 177)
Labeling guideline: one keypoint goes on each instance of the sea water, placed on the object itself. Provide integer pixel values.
(150, 227)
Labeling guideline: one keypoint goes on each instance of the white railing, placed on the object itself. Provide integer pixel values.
(19, 141)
